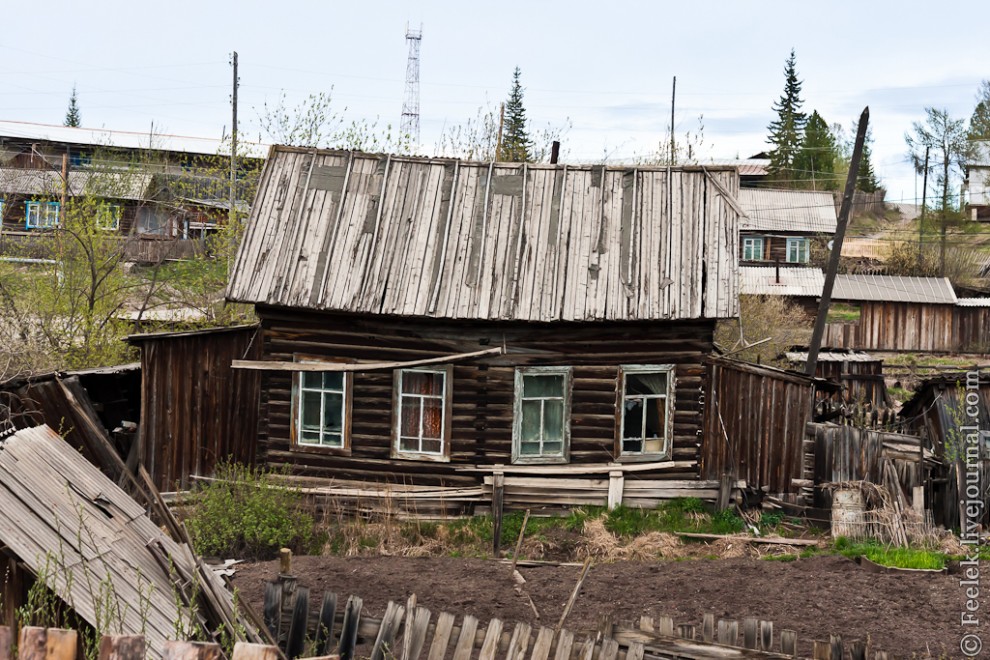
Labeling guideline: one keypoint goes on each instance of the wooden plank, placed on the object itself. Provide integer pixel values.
(246, 651)
(178, 650)
(493, 635)
(296, 641)
(636, 651)
(275, 365)
(519, 642)
(610, 650)
(324, 626)
(120, 647)
(441, 636)
(61, 644)
(541, 647)
(465, 642)
(386, 633)
(349, 628)
(788, 642)
(565, 642)
(416, 634)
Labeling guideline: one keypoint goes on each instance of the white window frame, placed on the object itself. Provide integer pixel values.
(750, 244)
(666, 450)
(400, 399)
(42, 213)
(565, 453)
(297, 443)
(801, 247)
(112, 211)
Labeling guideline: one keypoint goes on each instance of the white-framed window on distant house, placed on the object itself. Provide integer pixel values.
(753, 248)
(797, 250)
(321, 405)
(422, 410)
(541, 426)
(108, 217)
(41, 215)
(645, 419)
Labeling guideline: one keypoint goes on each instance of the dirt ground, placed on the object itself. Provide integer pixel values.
(907, 615)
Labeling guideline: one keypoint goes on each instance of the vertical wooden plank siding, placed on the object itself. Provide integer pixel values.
(754, 421)
(196, 410)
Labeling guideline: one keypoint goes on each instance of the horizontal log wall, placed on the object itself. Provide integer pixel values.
(195, 409)
(754, 425)
(891, 326)
(483, 390)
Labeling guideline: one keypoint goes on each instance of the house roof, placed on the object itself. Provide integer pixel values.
(973, 302)
(893, 288)
(832, 356)
(109, 185)
(378, 234)
(794, 281)
(103, 137)
(806, 211)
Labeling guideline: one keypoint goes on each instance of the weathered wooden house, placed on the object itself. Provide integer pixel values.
(779, 226)
(432, 322)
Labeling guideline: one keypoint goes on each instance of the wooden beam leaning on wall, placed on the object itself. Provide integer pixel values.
(274, 365)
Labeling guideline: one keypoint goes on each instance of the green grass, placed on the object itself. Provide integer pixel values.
(895, 557)
(843, 313)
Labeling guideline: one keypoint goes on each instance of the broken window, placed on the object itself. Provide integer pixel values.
(541, 424)
(752, 249)
(321, 409)
(645, 411)
(797, 250)
(422, 413)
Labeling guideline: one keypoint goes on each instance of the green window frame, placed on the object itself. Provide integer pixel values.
(797, 251)
(321, 410)
(752, 248)
(645, 421)
(541, 427)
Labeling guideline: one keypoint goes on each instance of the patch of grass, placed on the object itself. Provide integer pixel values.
(896, 557)
(843, 313)
(783, 558)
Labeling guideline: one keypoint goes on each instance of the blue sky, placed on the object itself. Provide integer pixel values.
(607, 68)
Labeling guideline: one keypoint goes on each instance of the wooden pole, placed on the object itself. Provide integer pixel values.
(498, 497)
(65, 184)
(840, 232)
(522, 533)
(574, 594)
(232, 214)
(501, 123)
(122, 647)
(554, 152)
(673, 96)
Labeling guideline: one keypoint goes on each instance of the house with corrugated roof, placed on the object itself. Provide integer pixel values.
(136, 184)
(436, 322)
(779, 226)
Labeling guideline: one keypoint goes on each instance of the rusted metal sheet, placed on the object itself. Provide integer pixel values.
(755, 418)
(195, 409)
(353, 232)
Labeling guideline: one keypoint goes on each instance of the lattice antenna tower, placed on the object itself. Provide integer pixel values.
(410, 106)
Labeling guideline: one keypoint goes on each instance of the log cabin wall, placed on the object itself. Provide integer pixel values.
(483, 390)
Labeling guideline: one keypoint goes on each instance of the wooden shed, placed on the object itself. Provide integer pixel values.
(436, 323)
(195, 409)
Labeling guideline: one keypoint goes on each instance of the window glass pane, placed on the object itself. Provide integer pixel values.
(431, 446)
(543, 385)
(311, 403)
(333, 380)
(311, 379)
(632, 421)
(529, 448)
(650, 383)
(553, 421)
(422, 382)
(333, 440)
(333, 412)
(632, 446)
(656, 410)
(433, 418)
(553, 448)
(409, 444)
(529, 429)
(409, 420)
(309, 437)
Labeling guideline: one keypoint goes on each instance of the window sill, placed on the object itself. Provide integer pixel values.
(643, 458)
(412, 456)
(540, 460)
(319, 449)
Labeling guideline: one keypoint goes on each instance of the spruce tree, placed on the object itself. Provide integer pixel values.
(72, 116)
(787, 130)
(866, 178)
(979, 123)
(515, 145)
(815, 162)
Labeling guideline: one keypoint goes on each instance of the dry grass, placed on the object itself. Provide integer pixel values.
(600, 544)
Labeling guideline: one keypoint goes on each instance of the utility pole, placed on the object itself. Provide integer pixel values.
(673, 95)
(501, 124)
(232, 214)
(833, 258)
(410, 106)
(921, 220)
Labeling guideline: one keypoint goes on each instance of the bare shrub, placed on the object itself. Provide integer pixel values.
(767, 326)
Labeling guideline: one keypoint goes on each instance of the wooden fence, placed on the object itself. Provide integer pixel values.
(29, 244)
(896, 326)
(755, 419)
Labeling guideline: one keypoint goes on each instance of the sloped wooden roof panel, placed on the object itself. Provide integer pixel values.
(346, 231)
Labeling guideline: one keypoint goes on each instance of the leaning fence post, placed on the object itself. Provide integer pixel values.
(31, 643)
(122, 647)
(177, 650)
(6, 641)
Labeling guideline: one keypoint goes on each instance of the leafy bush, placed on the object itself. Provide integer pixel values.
(244, 513)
